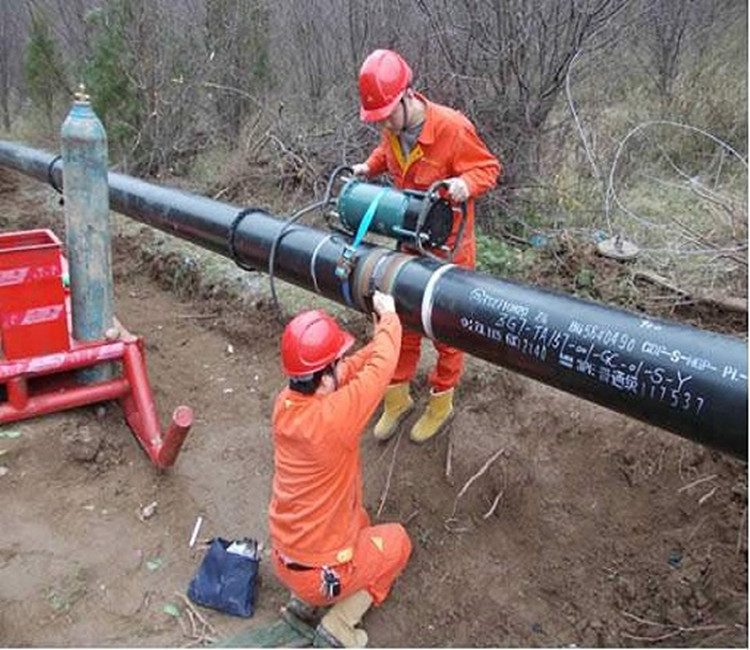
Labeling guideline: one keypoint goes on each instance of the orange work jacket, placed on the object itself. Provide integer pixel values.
(316, 506)
(447, 146)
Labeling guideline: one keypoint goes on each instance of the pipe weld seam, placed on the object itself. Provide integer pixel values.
(396, 262)
(427, 298)
(378, 272)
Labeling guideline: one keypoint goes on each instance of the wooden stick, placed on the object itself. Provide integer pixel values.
(183, 626)
(677, 629)
(448, 524)
(448, 457)
(410, 517)
(198, 615)
(653, 639)
(481, 471)
(708, 495)
(698, 482)
(194, 627)
(384, 495)
(730, 303)
(643, 620)
(488, 514)
(659, 280)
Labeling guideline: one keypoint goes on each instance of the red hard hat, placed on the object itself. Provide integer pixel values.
(311, 341)
(383, 79)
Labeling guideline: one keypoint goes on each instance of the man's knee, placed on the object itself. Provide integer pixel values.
(397, 547)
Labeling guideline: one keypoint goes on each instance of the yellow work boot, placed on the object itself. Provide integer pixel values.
(338, 626)
(397, 404)
(438, 413)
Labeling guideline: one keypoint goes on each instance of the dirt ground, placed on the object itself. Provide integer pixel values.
(587, 529)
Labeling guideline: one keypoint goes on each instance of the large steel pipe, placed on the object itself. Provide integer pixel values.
(688, 381)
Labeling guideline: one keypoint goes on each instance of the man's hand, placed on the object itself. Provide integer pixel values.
(361, 170)
(383, 303)
(458, 190)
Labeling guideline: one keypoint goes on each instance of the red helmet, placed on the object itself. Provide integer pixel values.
(311, 341)
(383, 79)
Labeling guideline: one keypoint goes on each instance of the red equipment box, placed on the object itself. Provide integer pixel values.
(33, 317)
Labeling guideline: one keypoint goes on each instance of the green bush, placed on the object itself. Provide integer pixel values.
(498, 257)
(111, 86)
(42, 71)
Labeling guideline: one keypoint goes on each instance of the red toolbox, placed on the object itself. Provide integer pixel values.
(39, 363)
(33, 316)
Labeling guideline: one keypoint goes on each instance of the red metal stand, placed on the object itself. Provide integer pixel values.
(38, 363)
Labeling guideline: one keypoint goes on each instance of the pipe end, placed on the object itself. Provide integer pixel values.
(183, 416)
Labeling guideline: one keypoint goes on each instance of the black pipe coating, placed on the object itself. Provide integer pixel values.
(686, 380)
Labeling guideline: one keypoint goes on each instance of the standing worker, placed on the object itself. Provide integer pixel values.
(422, 143)
(324, 548)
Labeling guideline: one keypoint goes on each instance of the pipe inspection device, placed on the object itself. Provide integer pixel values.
(420, 221)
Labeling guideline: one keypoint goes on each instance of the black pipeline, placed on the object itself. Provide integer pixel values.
(688, 381)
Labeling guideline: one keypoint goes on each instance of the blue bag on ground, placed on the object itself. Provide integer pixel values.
(226, 579)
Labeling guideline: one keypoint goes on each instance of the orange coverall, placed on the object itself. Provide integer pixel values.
(316, 514)
(448, 146)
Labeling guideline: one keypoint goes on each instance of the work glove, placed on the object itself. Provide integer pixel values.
(383, 303)
(361, 170)
(458, 190)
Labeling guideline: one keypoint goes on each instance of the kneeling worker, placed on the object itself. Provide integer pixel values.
(324, 548)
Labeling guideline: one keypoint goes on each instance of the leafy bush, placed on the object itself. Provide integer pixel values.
(498, 257)
(41, 66)
(112, 87)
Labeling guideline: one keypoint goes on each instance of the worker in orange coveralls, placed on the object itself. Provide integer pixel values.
(324, 548)
(423, 142)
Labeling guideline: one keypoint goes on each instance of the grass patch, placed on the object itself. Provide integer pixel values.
(72, 588)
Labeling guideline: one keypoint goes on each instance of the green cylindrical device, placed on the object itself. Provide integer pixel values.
(398, 213)
(86, 193)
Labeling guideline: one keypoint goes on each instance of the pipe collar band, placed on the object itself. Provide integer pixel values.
(428, 298)
(314, 258)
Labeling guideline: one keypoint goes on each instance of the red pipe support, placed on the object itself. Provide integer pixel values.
(133, 391)
(182, 420)
(147, 425)
(140, 413)
(18, 395)
(80, 356)
(65, 399)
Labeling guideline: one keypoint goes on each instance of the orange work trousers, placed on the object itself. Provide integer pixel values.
(450, 363)
(380, 555)
(447, 371)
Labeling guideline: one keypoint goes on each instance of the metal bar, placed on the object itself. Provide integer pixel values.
(67, 399)
(79, 357)
(174, 436)
(688, 381)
